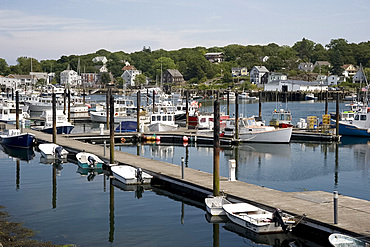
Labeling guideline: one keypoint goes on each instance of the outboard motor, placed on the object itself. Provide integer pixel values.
(279, 219)
(58, 152)
(91, 161)
(139, 175)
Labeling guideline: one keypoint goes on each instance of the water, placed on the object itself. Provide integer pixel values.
(64, 206)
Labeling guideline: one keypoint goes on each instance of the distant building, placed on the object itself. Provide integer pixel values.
(239, 71)
(214, 57)
(322, 63)
(274, 76)
(294, 85)
(307, 67)
(40, 75)
(24, 80)
(332, 80)
(70, 77)
(256, 74)
(89, 79)
(172, 76)
(129, 74)
(102, 59)
(359, 77)
(101, 69)
(9, 82)
(349, 70)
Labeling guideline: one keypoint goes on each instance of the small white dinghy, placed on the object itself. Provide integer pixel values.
(214, 205)
(130, 175)
(337, 239)
(52, 151)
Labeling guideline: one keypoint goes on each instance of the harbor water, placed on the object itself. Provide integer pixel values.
(67, 205)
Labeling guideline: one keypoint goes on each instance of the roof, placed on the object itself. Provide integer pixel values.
(129, 67)
(261, 68)
(296, 82)
(322, 63)
(174, 72)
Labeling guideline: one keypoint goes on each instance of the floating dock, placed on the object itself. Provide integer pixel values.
(316, 208)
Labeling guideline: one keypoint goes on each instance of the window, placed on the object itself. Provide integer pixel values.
(363, 117)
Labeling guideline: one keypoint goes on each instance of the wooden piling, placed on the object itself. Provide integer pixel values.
(216, 149)
(54, 112)
(64, 101)
(337, 116)
(138, 110)
(17, 110)
(228, 102)
(107, 96)
(259, 105)
(153, 101)
(111, 129)
(187, 107)
(69, 105)
(326, 102)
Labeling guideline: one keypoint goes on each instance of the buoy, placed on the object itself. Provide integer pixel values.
(185, 138)
(158, 138)
(123, 140)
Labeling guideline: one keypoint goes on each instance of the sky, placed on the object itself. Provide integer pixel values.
(49, 29)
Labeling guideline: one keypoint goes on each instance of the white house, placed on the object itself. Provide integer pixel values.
(256, 73)
(70, 77)
(332, 80)
(307, 67)
(9, 82)
(359, 77)
(214, 57)
(348, 70)
(129, 74)
(274, 76)
(102, 59)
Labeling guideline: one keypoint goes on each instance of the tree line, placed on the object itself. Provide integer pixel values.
(196, 69)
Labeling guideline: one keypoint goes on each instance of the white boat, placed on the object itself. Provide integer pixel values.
(89, 160)
(52, 151)
(252, 131)
(340, 240)
(245, 95)
(8, 112)
(281, 118)
(358, 126)
(310, 96)
(130, 175)
(162, 122)
(214, 205)
(257, 219)
(120, 114)
(62, 124)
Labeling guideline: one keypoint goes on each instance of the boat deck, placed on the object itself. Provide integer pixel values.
(353, 213)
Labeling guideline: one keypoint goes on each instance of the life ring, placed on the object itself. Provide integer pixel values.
(123, 140)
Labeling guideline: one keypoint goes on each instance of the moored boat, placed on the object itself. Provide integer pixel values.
(14, 138)
(53, 151)
(257, 219)
(358, 126)
(89, 160)
(337, 239)
(214, 205)
(130, 175)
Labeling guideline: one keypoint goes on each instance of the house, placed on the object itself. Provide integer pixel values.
(322, 63)
(349, 70)
(332, 80)
(89, 79)
(172, 76)
(294, 85)
(24, 80)
(101, 68)
(274, 76)
(321, 78)
(239, 71)
(129, 74)
(70, 77)
(214, 57)
(102, 59)
(9, 82)
(256, 73)
(40, 75)
(359, 77)
(307, 67)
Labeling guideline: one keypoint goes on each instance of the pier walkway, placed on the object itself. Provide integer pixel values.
(353, 213)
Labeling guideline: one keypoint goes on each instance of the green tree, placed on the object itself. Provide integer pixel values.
(4, 68)
(304, 49)
(139, 80)
(105, 78)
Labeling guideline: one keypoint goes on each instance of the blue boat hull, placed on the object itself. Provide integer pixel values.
(60, 130)
(87, 166)
(350, 130)
(22, 141)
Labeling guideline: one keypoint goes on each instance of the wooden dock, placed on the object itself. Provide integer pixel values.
(317, 206)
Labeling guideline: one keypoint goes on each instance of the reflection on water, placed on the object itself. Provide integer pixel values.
(25, 154)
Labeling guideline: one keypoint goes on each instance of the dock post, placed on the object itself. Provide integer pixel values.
(187, 107)
(17, 110)
(138, 112)
(326, 102)
(105, 146)
(236, 116)
(111, 129)
(101, 126)
(69, 105)
(64, 101)
(335, 207)
(259, 105)
(232, 165)
(228, 102)
(216, 149)
(337, 117)
(54, 112)
(107, 107)
(153, 101)
(23, 126)
(182, 167)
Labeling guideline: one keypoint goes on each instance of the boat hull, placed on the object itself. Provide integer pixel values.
(158, 127)
(82, 159)
(60, 129)
(24, 140)
(282, 135)
(214, 205)
(351, 130)
(127, 175)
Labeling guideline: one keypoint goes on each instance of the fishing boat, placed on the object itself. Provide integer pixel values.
(162, 122)
(281, 118)
(251, 130)
(53, 151)
(257, 219)
(127, 126)
(46, 123)
(214, 205)
(246, 96)
(14, 138)
(310, 96)
(130, 175)
(89, 160)
(358, 126)
(339, 240)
